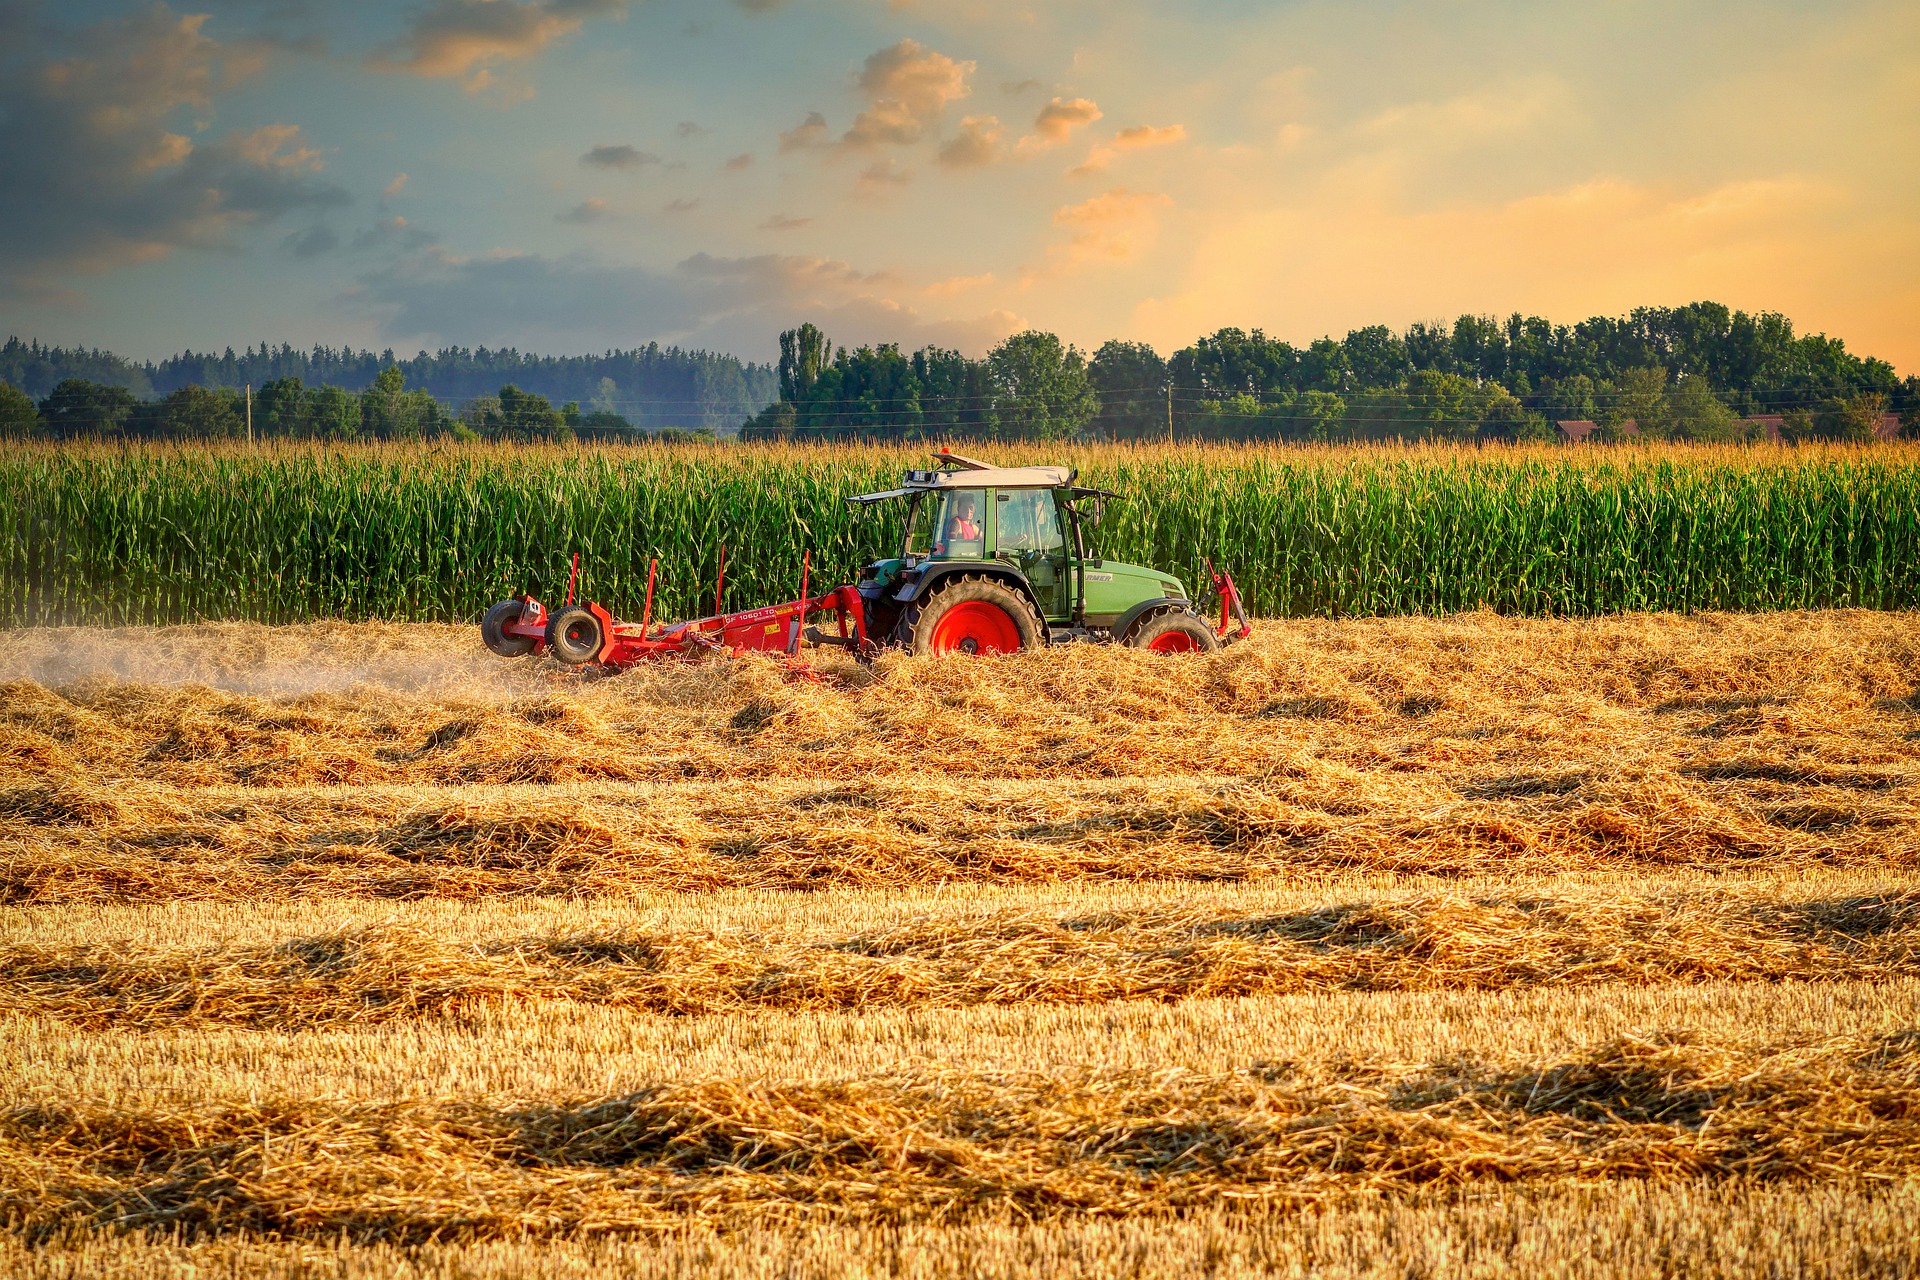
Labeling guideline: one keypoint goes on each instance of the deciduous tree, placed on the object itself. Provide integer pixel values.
(1041, 386)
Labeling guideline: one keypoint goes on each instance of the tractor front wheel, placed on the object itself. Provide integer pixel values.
(493, 630)
(1174, 632)
(971, 616)
(575, 636)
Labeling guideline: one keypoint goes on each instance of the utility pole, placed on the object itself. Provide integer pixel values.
(249, 413)
(1169, 413)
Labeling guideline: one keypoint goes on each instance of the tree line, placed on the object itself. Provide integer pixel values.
(286, 408)
(1698, 372)
(651, 387)
(1702, 372)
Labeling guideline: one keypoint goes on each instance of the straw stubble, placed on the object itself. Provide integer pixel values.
(357, 937)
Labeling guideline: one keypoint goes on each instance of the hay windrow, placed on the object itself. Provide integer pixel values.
(76, 841)
(1792, 698)
(382, 973)
(1728, 1230)
(939, 1146)
(1452, 747)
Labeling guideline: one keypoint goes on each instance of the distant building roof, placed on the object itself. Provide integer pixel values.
(1576, 430)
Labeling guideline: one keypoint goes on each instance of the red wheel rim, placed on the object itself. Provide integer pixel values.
(583, 634)
(973, 626)
(1174, 642)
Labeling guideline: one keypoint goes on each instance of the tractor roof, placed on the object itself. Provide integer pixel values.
(957, 472)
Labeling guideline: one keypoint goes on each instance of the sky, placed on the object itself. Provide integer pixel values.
(574, 175)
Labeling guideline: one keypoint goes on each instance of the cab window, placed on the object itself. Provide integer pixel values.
(1030, 522)
(957, 529)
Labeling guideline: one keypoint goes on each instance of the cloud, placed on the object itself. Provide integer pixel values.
(1499, 111)
(782, 222)
(592, 209)
(742, 161)
(977, 143)
(908, 87)
(1059, 118)
(956, 284)
(310, 243)
(1147, 135)
(618, 157)
(883, 177)
(395, 233)
(395, 187)
(759, 6)
(688, 129)
(680, 206)
(726, 304)
(468, 39)
(811, 132)
(100, 168)
(1133, 139)
(1115, 226)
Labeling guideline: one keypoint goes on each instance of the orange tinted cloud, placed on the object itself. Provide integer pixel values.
(908, 87)
(1115, 226)
(1141, 135)
(977, 143)
(882, 177)
(1059, 118)
(467, 39)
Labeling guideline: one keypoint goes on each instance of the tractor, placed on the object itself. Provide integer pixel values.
(991, 560)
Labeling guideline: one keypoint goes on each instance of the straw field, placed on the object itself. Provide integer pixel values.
(1378, 947)
(296, 533)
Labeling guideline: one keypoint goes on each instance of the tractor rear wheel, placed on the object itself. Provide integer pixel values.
(971, 616)
(575, 635)
(494, 634)
(1174, 632)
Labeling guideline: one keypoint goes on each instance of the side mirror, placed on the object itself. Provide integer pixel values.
(1091, 514)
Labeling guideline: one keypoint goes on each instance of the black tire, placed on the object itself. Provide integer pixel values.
(921, 620)
(575, 636)
(1174, 632)
(493, 631)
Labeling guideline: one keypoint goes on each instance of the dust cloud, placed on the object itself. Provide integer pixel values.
(242, 658)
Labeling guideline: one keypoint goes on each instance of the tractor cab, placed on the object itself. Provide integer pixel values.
(993, 559)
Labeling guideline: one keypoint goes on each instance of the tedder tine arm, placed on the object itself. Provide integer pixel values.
(1233, 614)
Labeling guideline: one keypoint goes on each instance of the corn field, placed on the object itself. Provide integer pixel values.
(162, 535)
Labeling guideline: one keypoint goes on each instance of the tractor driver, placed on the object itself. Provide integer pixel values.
(964, 524)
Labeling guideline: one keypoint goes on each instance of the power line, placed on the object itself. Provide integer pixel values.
(1194, 409)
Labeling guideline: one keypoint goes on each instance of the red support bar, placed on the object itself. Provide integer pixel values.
(720, 583)
(573, 577)
(646, 619)
(800, 614)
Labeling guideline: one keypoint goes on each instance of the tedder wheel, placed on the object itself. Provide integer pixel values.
(970, 615)
(493, 630)
(575, 635)
(1174, 632)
